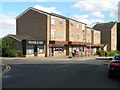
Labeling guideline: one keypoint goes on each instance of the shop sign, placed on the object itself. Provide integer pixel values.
(35, 42)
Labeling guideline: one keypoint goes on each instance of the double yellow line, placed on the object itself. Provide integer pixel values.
(7, 69)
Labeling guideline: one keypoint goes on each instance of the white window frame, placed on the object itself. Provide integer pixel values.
(61, 34)
(52, 33)
(52, 20)
(78, 36)
(61, 22)
(83, 27)
(77, 26)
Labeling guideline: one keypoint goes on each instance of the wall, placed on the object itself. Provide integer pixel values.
(60, 29)
(33, 24)
(96, 37)
(114, 38)
(76, 34)
(88, 35)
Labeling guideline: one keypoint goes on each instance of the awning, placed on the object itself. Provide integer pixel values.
(58, 42)
(96, 45)
(77, 43)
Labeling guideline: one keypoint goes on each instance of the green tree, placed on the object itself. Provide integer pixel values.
(8, 48)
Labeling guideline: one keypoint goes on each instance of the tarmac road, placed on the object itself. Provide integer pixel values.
(69, 74)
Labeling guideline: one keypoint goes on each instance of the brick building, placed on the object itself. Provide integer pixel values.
(43, 34)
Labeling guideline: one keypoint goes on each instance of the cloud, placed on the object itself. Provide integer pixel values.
(22, 1)
(81, 16)
(89, 22)
(99, 6)
(49, 9)
(98, 14)
(12, 13)
(7, 25)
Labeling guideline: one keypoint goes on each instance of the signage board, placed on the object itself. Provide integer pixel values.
(34, 42)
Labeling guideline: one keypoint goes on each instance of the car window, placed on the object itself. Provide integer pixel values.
(117, 57)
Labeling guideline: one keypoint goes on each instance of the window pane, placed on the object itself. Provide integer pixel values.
(53, 33)
(29, 51)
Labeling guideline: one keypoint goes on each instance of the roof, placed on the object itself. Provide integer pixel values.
(20, 37)
(104, 26)
(46, 13)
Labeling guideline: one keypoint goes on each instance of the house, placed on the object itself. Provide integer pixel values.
(110, 34)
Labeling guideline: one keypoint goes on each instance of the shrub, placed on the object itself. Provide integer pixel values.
(112, 53)
(101, 52)
(8, 48)
(117, 51)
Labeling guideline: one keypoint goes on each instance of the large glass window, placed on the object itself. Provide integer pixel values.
(40, 49)
(29, 49)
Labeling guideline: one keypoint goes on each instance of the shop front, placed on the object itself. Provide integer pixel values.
(91, 50)
(57, 48)
(33, 48)
(77, 48)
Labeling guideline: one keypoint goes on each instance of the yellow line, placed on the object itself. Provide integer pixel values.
(7, 69)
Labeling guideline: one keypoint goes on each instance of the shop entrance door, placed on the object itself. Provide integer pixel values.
(35, 50)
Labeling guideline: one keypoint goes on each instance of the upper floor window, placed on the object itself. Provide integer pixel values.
(52, 33)
(61, 22)
(78, 36)
(72, 35)
(61, 34)
(83, 27)
(52, 20)
(72, 24)
(77, 26)
(83, 37)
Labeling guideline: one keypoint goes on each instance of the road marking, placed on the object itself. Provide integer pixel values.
(8, 68)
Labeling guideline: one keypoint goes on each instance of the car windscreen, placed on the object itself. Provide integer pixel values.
(117, 57)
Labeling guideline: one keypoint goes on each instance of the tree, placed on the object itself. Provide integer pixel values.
(8, 48)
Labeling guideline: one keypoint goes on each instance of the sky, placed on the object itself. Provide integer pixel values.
(86, 11)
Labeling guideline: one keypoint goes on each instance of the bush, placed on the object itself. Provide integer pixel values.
(117, 51)
(101, 53)
(8, 48)
(112, 53)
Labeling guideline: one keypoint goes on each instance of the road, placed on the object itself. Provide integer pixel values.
(60, 74)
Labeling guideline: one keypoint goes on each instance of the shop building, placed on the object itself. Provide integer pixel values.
(88, 41)
(43, 34)
(96, 41)
(57, 39)
(76, 37)
(93, 41)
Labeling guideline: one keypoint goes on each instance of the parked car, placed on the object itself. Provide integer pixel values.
(114, 66)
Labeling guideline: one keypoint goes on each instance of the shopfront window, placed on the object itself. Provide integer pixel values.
(29, 49)
(40, 49)
(58, 50)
